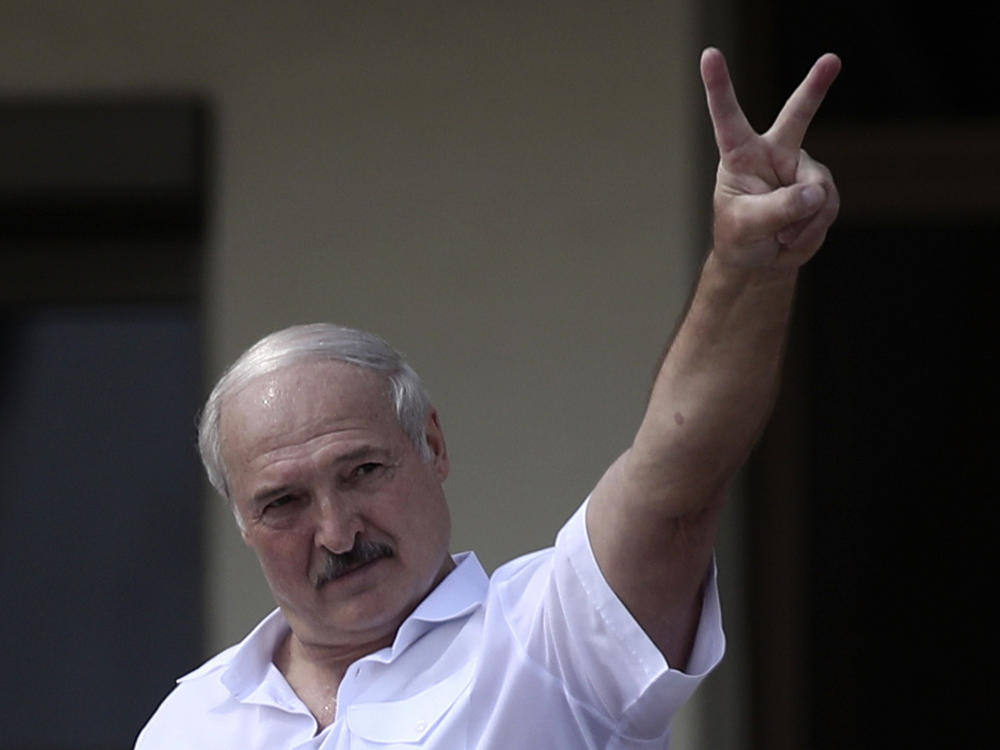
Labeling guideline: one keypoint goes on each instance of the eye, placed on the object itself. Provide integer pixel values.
(367, 468)
(280, 502)
(365, 475)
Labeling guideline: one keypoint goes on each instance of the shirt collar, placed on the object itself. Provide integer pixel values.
(459, 594)
(246, 665)
(253, 657)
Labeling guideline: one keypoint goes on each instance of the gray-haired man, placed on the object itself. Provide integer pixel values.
(334, 462)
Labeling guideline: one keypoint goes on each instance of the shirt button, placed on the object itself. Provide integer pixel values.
(420, 725)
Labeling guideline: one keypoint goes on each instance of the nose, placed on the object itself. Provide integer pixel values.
(338, 525)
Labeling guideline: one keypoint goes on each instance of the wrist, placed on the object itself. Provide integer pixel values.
(722, 273)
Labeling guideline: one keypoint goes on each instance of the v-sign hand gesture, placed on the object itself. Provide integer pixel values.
(652, 519)
(773, 204)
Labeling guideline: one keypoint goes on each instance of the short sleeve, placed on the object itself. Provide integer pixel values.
(623, 668)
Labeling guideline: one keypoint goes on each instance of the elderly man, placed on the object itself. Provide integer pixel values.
(333, 459)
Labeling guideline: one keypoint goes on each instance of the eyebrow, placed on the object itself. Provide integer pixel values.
(365, 451)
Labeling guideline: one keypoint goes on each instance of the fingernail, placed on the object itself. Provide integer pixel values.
(813, 196)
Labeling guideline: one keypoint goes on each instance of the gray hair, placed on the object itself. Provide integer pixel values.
(315, 342)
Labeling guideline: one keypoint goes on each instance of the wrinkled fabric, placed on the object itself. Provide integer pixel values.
(542, 654)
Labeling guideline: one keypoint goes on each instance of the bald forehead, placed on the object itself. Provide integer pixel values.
(297, 402)
(339, 381)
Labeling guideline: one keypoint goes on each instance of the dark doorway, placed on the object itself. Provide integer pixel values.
(871, 510)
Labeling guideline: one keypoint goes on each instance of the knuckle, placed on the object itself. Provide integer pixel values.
(733, 223)
(742, 221)
(834, 204)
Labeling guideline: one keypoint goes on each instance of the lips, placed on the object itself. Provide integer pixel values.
(348, 570)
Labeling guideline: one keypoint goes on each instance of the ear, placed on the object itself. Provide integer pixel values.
(434, 436)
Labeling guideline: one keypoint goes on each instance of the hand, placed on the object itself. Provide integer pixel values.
(773, 204)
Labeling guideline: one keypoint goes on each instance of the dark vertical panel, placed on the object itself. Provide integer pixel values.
(896, 396)
(901, 59)
(102, 214)
(99, 543)
(902, 502)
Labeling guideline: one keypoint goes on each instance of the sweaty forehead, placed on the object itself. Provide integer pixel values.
(297, 403)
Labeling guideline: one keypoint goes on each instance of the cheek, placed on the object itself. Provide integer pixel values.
(283, 555)
(429, 526)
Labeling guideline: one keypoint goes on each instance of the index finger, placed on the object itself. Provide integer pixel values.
(793, 120)
(728, 121)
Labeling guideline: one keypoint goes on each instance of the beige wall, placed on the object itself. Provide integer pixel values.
(505, 195)
(506, 191)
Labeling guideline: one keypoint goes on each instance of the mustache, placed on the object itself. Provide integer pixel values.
(339, 564)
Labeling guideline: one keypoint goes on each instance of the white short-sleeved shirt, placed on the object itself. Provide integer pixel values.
(541, 655)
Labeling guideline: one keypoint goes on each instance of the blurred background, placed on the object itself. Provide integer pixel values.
(516, 195)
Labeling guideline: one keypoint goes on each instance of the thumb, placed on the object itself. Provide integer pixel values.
(756, 217)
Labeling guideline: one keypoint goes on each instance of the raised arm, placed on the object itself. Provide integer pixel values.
(653, 516)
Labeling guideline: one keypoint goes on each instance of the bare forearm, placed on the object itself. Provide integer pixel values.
(653, 516)
(715, 387)
(659, 502)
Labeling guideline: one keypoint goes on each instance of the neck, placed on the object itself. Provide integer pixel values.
(315, 672)
(323, 660)
(314, 669)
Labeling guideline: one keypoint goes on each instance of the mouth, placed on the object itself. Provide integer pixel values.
(352, 569)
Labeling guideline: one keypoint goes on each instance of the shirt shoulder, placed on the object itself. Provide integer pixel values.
(173, 723)
(203, 696)
(567, 621)
(216, 663)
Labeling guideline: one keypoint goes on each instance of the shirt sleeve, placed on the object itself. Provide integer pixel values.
(615, 661)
